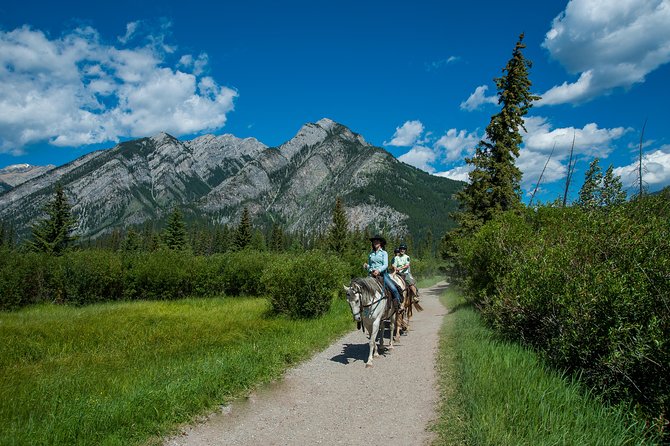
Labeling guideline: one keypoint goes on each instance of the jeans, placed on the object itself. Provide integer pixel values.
(390, 284)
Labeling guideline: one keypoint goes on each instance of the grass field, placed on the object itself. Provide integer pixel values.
(498, 393)
(127, 373)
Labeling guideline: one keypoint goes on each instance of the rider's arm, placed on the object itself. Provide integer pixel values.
(385, 260)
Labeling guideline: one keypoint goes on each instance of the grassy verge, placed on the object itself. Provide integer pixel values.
(125, 373)
(498, 393)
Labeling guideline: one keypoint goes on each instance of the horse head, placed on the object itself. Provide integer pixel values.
(354, 299)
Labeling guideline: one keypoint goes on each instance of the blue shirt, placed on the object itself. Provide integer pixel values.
(378, 260)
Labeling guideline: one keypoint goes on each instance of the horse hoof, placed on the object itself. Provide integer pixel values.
(390, 347)
(368, 366)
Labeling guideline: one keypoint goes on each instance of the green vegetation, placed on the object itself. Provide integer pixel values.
(53, 234)
(494, 185)
(496, 392)
(589, 290)
(122, 373)
(91, 276)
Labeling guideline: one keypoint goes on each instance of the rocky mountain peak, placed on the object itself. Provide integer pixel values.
(313, 134)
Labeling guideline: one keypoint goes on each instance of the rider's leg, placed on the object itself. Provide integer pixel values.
(390, 284)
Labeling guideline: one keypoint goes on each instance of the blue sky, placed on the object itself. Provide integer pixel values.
(415, 79)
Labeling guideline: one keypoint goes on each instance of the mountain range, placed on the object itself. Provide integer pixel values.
(212, 178)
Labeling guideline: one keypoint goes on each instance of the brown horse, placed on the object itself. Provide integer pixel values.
(403, 317)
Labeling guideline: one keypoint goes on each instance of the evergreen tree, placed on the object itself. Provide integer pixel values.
(258, 241)
(590, 193)
(612, 193)
(243, 232)
(132, 241)
(427, 246)
(495, 180)
(53, 235)
(338, 235)
(277, 238)
(174, 235)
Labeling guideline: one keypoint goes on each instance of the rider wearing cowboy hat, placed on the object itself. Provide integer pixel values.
(378, 262)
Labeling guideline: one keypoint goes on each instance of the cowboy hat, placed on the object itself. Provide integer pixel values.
(380, 238)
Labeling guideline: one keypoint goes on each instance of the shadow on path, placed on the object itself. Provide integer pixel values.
(353, 352)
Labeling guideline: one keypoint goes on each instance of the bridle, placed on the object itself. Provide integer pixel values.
(361, 305)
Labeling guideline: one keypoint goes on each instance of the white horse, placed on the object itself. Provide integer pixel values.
(370, 306)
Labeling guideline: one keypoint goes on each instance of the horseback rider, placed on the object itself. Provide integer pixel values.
(377, 265)
(402, 267)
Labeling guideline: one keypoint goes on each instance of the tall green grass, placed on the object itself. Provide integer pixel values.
(125, 373)
(499, 393)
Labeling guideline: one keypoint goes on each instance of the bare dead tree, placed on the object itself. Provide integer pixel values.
(640, 159)
(571, 169)
(539, 180)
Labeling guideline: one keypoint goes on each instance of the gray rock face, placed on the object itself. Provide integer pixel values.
(214, 177)
(14, 175)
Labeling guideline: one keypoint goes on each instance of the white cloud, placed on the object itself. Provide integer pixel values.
(407, 134)
(75, 90)
(442, 62)
(457, 142)
(131, 28)
(656, 169)
(459, 173)
(420, 157)
(478, 98)
(589, 141)
(609, 44)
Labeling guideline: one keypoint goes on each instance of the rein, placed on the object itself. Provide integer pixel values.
(383, 297)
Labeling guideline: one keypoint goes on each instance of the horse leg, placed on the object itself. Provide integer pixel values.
(373, 343)
(392, 328)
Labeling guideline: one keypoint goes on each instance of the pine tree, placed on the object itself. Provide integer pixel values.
(612, 193)
(590, 193)
(277, 238)
(338, 234)
(257, 242)
(243, 232)
(494, 185)
(132, 242)
(53, 235)
(175, 232)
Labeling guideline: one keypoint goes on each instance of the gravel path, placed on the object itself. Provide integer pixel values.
(333, 399)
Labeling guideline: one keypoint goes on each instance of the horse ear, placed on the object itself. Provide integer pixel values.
(346, 288)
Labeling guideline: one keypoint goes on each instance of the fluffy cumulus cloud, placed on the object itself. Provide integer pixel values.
(431, 154)
(459, 173)
(655, 169)
(76, 90)
(421, 157)
(541, 139)
(455, 143)
(407, 134)
(478, 98)
(609, 44)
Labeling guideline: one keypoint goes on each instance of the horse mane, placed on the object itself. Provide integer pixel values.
(367, 285)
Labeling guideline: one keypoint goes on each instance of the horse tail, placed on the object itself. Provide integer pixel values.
(418, 306)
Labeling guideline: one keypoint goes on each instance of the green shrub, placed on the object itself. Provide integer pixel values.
(25, 279)
(242, 271)
(305, 285)
(90, 276)
(591, 290)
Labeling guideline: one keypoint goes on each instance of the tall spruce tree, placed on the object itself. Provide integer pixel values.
(244, 231)
(612, 193)
(494, 185)
(132, 242)
(277, 238)
(338, 234)
(53, 235)
(590, 193)
(175, 232)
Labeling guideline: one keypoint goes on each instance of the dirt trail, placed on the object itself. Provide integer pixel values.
(333, 399)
